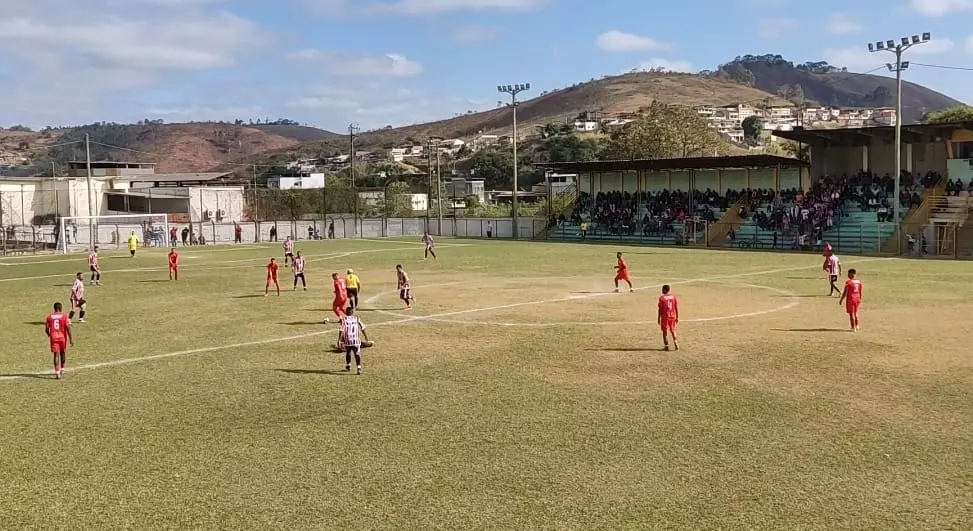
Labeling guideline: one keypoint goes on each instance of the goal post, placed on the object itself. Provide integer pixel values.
(76, 233)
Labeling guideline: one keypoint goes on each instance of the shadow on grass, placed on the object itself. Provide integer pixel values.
(806, 278)
(302, 323)
(803, 296)
(153, 281)
(35, 323)
(810, 330)
(623, 349)
(29, 375)
(323, 372)
(62, 285)
(359, 310)
(252, 296)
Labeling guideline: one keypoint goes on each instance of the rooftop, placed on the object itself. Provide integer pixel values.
(857, 136)
(690, 163)
(172, 177)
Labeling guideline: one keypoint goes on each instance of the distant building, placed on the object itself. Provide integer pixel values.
(309, 181)
(459, 188)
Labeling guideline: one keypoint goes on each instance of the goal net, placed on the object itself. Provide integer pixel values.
(79, 233)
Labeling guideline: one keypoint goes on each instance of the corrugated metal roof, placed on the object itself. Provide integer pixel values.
(170, 177)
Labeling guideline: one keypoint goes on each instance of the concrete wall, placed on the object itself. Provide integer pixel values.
(878, 157)
(228, 199)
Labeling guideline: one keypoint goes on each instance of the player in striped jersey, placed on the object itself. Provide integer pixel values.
(832, 265)
(78, 301)
(297, 264)
(405, 287)
(430, 246)
(94, 267)
(288, 250)
(352, 334)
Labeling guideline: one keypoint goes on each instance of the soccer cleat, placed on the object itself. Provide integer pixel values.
(57, 375)
(347, 368)
(616, 290)
(326, 321)
(632, 290)
(666, 348)
(676, 345)
(358, 372)
(82, 320)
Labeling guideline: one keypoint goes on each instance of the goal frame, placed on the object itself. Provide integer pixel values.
(108, 219)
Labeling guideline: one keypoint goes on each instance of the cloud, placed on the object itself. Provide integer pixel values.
(375, 105)
(68, 72)
(418, 7)
(841, 24)
(969, 45)
(773, 28)
(618, 41)
(665, 64)
(938, 8)
(858, 58)
(359, 65)
(471, 34)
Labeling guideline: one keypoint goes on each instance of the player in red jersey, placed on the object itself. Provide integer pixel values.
(78, 302)
(57, 326)
(272, 269)
(340, 297)
(173, 264)
(668, 317)
(94, 267)
(832, 266)
(852, 297)
(622, 274)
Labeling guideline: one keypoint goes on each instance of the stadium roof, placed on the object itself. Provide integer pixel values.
(858, 136)
(691, 163)
(170, 177)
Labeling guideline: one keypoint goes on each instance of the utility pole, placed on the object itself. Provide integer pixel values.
(256, 217)
(439, 191)
(352, 135)
(898, 48)
(514, 90)
(57, 204)
(91, 200)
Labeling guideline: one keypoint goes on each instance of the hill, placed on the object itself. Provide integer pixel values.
(824, 84)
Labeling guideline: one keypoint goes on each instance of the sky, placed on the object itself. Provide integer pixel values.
(331, 63)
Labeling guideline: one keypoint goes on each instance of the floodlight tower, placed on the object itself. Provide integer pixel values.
(898, 48)
(514, 90)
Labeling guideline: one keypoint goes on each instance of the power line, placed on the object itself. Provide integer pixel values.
(943, 67)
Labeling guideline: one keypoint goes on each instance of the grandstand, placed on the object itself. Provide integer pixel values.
(695, 201)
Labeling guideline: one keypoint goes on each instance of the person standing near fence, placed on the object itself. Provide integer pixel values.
(489, 229)
(288, 251)
(430, 247)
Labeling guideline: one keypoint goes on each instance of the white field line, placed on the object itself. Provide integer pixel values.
(392, 322)
(217, 265)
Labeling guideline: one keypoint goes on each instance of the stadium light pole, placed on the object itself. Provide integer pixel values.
(514, 90)
(898, 48)
(352, 136)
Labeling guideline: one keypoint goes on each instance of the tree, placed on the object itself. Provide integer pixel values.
(572, 148)
(752, 126)
(664, 131)
(397, 201)
(494, 166)
(959, 113)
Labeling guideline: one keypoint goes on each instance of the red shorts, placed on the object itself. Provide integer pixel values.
(271, 279)
(338, 306)
(668, 325)
(622, 275)
(173, 268)
(852, 306)
(59, 345)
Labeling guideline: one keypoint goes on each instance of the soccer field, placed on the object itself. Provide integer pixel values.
(520, 394)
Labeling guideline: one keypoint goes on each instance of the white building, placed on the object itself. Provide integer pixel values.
(303, 182)
(585, 126)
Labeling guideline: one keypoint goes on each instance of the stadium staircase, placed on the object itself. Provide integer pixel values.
(858, 231)
(572, 231)
(964, 233)
(563, 203)
(730, 220)
(915, 219)
(751, 235)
